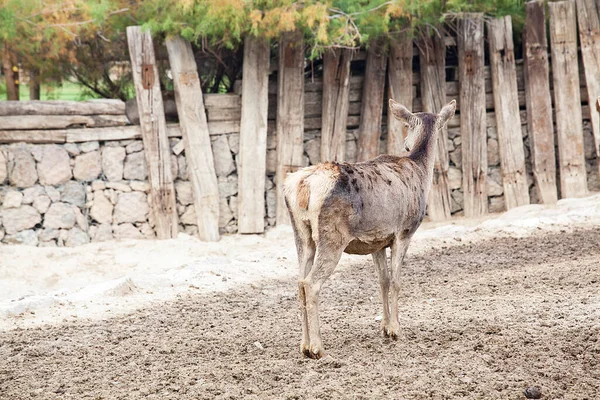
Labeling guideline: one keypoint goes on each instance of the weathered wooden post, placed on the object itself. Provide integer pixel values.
(506, 107)
(154, 132)
(290, 114)
(588, 15)
(472, 113)
(432, 58)
(539, 103)
(372, 102)
(253, 136)
(336, 101)
(567, 99)
(400, 82)
(196, 139)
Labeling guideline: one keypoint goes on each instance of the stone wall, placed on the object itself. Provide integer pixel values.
(71, 194)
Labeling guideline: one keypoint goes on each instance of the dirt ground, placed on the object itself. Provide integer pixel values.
(481, 321)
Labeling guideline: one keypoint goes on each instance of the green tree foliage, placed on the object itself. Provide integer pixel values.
(85, 38)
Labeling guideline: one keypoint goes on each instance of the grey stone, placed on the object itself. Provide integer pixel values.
(588, 145)
(72, 149)
(135, 167)
(268, 183)
(73, 193)
(19, 219)
(191, 230)
(102, 209)
(12, 199)
(76, 237)
(225, 214)
(147, 231)
(454, 178)
(493, 153)
(112, 195)
(103, 232)
(53, 193)
(313, 150)
(1, 233)
(3, 167)
(48, 234)
(98, 185)
(134, 146)
(496, 204)
(112, 163)
(491, 132)
(457, 201)
(184, 192)
(453, 132)
(131, 207)
(86, 147)
(450, 145)
(182, 167)
(60, 216)
(189, 216)
(271, 161)
(233, 206)
(271, 203)
(271, 142)
(140, 186)
(88, 166)
(120, 186)
(37, 151)
(127, 231)
(54, 169)
(31, 193)
(50, 243)
(81, 219)
(222, 156)
(41, 203)
(494, 182)
(456, 156)
(228, 186)
(27, 237)
(174, 166)
(351, 150)
(21, 167)
(234, 142)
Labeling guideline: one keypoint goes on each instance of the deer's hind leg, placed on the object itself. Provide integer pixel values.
(330, 247)
(306, 249)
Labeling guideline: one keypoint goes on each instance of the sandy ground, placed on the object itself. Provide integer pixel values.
(49, 285)
(483, 320)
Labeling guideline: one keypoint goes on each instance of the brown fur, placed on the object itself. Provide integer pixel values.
(303, 195)
(361, 208)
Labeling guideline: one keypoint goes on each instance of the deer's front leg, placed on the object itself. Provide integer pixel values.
(399, 248)
(380, 262)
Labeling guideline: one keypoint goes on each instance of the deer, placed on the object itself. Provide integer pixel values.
(361, 208)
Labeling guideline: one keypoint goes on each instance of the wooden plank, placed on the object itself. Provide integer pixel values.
(432, 56)
(196, 139)
(43, 136)
(539, 103)
(372, 102)
(61, 107)
(506, 107)
(565, 75)
(400, 89)
(228, 100)
(154, 132)
(335, 104)
(588, 15)
(473, 131)
(290, 115)
(130, 132)
(253, 136)
(25, 122)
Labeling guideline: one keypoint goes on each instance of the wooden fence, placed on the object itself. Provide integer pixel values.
(507, 94)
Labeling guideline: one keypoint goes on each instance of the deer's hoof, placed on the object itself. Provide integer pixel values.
(391, 332)
(314, 352)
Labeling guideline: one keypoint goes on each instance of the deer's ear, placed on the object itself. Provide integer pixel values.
(447, 112)
(401, 113)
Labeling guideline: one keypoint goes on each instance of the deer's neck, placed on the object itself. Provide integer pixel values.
(424, 156)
